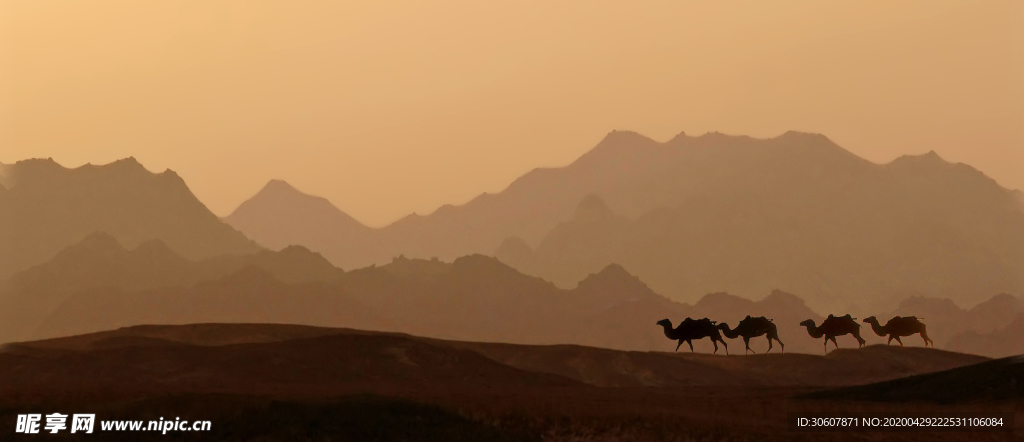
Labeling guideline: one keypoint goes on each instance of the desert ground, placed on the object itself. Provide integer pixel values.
(286, 382)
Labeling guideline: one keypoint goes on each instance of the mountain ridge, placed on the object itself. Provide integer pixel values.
(49, 207)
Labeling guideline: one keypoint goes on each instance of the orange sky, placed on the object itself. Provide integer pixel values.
(389, 107)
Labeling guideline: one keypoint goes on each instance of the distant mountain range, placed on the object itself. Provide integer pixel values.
(998, 343)
(98, 284)
(575, 248)
(705, 214)
(946, 321)
(45, 207)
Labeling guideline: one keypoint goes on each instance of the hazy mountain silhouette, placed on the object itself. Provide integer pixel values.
(251, 294)
(835, 228)
(280, 215)
(785, 310)
(696, 215)
(998, 343)
(478, 298)
(98, 284)
(99, 267)
(46, 207)
(945, 319)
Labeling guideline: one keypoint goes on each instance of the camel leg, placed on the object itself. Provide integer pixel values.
(775, 335)
(890, 340)
(834, 342)
(746, 342)
(715, 343)
(690, 344)
(898, 340)
(860, 340)
(826, 345)
(924, 335)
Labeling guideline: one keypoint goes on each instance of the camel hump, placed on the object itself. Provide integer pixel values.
(906, 320)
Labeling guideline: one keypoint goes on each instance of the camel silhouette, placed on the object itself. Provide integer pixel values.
(751, 328)
(691, 329)
(900, 326)
(834, 326)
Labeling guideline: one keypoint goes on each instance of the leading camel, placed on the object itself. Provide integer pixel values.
(751, 328)
(834, 326)
(900, 326)
(691, 329)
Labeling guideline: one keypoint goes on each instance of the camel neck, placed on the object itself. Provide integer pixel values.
(814, 331)
(879, 329)
(669, 331)
(731, 334)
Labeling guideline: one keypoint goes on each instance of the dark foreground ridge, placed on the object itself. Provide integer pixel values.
(289, 382)
(998, 380)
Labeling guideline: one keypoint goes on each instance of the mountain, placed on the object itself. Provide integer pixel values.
(47, 207)
(251, 295)
(785, 310)
(480, 299)
(808, 218)
(101, 269)
(946, 320)
(98, 284)
(280, 215)
(998, 343)
(713, 213)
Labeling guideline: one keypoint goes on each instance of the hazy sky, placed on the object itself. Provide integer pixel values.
(389, 107)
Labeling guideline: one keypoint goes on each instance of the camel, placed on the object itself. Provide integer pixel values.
(900, 326)
(691, 329)
(751, 328)
(834, 326)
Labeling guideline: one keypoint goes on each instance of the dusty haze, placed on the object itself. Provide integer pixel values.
(387, 108)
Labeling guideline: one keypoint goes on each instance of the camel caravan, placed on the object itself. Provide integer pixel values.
(752, 327)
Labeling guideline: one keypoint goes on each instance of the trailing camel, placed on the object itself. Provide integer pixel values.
(751, 328)
(834, 326)
(900, 326)
(691, 329)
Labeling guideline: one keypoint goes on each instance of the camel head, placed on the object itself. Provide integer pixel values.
(665, 323)
(871, 320)
(808, 323)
